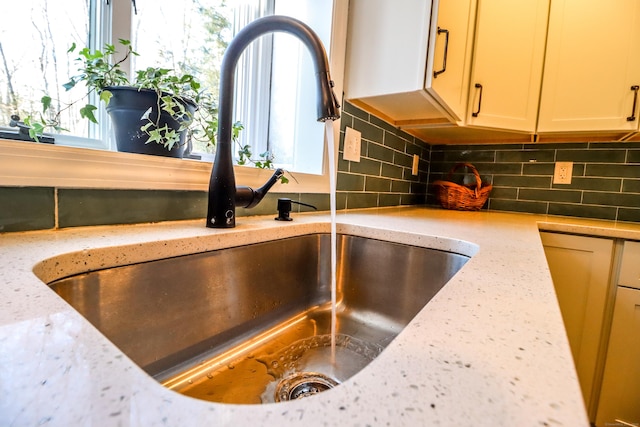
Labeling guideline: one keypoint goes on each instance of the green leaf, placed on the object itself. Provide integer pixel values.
(72, 48)
(105, 96)
(154, 136)
(69, 85)
(33, 134)
(36, 130)
(46, 102)
(87, 112)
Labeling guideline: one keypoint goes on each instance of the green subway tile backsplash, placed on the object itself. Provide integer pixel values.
(550, 195)
(583, 211)
(365, 167)
(594, 184)
(350, 182)
(612, 199)
(80, 207)
(599, 155)
(519, 181)
(377, 185)
(633, 156)
(392, 171)
(26, 208)
(624, 171)
(379, 152)
(632, 215)
(524, 156)
(605, 178)
(395, 142)
(631, 186)
(361, 200)
(385, 164)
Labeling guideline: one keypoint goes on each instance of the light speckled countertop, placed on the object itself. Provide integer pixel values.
(489, 349)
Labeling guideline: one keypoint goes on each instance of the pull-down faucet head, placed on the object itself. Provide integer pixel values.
(223, 194)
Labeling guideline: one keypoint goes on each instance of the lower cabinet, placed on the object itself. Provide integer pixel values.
(619, 403)
(581, 271)
(597, 282)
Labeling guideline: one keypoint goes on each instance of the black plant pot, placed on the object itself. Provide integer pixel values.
(126, 108)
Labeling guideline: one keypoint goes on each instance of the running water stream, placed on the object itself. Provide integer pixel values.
(332, 202)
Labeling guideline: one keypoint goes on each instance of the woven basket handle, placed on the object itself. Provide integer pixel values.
(473, 169)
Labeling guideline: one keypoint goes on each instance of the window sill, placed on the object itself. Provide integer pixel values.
(43, 165)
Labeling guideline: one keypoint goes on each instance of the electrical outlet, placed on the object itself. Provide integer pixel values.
(352, 142)
(562, 173)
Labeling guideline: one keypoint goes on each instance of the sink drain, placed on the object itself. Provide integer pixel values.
(303, 384)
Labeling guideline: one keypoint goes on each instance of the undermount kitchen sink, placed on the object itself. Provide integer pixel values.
(252, 324)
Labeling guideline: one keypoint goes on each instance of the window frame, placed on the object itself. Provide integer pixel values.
(35, 164)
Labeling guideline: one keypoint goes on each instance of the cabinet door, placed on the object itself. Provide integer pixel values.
(450, 48)
(630, 268)
(387, 46)
(591, 64)
(393, 47)
(620, 396)
(507, 65)
(581, 269)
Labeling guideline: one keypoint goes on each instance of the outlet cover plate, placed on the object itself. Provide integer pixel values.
(352, 142)
(562, 173)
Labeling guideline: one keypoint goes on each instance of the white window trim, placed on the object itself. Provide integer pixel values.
(45, 165)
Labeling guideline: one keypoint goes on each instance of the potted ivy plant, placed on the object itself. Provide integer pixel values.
(150, 115)
(153, 114)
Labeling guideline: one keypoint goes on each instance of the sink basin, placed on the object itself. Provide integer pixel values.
(252, 324)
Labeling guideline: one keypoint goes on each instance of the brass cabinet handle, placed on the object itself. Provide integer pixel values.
(632, 117)
(475, 113)
(446, 51)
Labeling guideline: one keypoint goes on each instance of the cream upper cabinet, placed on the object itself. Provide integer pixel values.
(507, 64)
(592, 66)
(451, 44)
(408, 60)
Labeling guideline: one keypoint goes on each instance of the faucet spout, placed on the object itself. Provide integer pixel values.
(223, 194)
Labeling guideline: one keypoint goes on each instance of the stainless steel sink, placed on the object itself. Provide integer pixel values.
(252, 324)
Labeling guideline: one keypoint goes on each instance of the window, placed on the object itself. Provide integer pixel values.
(276, 92)
(34, 39)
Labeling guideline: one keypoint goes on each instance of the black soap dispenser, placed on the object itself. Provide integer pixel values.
(284, 208)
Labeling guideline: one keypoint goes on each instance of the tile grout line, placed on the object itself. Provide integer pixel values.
(56, 220)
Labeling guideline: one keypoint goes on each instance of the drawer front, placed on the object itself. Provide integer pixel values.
(630, 269)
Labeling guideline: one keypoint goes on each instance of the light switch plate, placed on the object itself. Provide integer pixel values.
(562, 173)
(352, 142)
(416, 163)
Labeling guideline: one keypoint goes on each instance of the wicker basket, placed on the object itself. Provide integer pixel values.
(461, 197)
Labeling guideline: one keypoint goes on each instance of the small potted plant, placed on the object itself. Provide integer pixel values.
(150, 115)
(155, 114)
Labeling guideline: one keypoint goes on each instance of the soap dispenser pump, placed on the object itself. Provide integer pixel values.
(284, 208)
